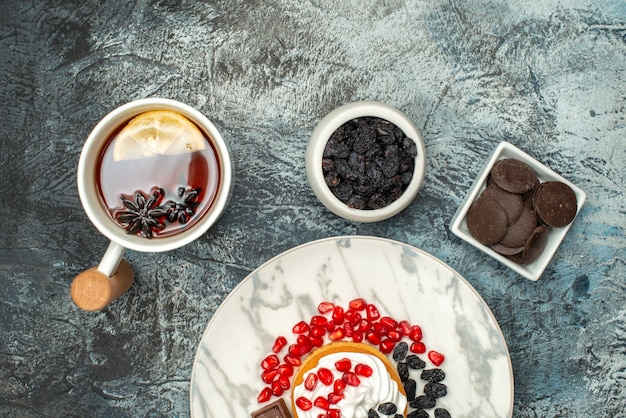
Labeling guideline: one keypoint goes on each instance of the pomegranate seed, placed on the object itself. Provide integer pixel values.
(349, 314)
(348, 329)
(357, 337)
(300, 328)
(330, 325)
(325, 376)
(333, 398)
(293, 360)
(356, 320)
(284, 383)
(322, 416)
(270, 362)
(343, 365)
(418, 348)
(405, 327)
(337, 334)
(277, 390)
(334, 413)
(339, 386)
(311, 381)
(268, 375)
(372, 312)
(303, 403)
(285, 370)
(325, 307)
(394, 335)
(305, 344)
(321, 402)
(317, 331)
(366, 325)
(363, 370)
(380, 328)
(435, 357)
(318, 321)
(373, 337)
(317, 341)
(279, 344)
(389, 322)
(338, 315)
(357, 304)
(265, 395)
(416, 333)
(351, 379)
(387, 345)
(294, 350)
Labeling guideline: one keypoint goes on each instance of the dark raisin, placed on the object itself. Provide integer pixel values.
(415, 362)
(372, 414)
(433, 375)
(403, 371)
(357, 202)
(332, 179)
(328, 165)
(387, 408)
(435, 390)
(423, 402)
(400, 350)
(418, 413)
(442, 413)
(410, 388)
(378, 201)
(343, 191)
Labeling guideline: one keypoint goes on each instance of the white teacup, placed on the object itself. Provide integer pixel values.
(120, 240)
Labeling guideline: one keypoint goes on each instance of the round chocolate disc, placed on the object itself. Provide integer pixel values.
(510, 202)
(513, 175)
(504, 250)
(486, 220)
(518, 233)
(535, 244)
(555, 203)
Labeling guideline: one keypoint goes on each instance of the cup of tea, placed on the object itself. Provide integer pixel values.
(153, 175)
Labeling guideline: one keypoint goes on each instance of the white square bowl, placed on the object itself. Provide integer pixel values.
(458, 226)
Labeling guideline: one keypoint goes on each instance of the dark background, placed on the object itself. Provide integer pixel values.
(547, 78)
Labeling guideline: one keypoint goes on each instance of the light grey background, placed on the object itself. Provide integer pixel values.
(545, 76)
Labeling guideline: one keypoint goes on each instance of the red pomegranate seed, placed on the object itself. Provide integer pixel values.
(270, 362)
(394, 335)
(380, 328)
(339, 386)
(372, 312)
(293, 360)
(373, 337)
(418, 348)
(285, 370)
(355, 321)
(363, 370)
(343, 365)
(303, 403)
(416, 333)
(338, 315)
(389, 322)
(435, 357)
(337, 334)
(321, 402)
(357, 304)
(351, 379)
(325, 376)
(317, 341)
(366, 325)
(265, 395)
(405, 327)
(277, 390)
(357, 337)
(387, 345)
(317, 331)
(348, 329)
(311, 381)
(318, 321)
(284, 383)
(294, 350)
(305, 344)
(268, 376)
(325, 307)
(279, 344)
(300, 328)
(333, 398)
(334, 413)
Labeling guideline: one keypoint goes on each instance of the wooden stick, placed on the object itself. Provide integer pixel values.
(92, 290)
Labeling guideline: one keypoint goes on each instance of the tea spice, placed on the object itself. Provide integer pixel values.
(368, 163)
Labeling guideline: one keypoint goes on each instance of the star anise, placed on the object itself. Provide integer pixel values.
(182, 211)
(143, 214)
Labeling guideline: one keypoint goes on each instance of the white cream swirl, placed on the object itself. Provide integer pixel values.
(358, 400)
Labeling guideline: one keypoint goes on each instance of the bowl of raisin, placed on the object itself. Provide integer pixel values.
(365, 161)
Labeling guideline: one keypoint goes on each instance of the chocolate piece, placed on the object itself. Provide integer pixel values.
(486, 220)
(518, 233)
(535, 245)
(514, 176)
(510, 202)
(276, 409)
(555, 203)
(504, 250)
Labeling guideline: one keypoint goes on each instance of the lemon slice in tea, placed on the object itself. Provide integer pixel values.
(157, 132)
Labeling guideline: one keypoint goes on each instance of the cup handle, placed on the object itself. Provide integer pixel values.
(95, 288)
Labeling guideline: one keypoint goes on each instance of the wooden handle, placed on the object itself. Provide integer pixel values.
(92, 290)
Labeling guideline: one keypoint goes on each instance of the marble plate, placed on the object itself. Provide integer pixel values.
(403, 281)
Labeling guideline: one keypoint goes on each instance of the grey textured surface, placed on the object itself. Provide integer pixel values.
(548, 78)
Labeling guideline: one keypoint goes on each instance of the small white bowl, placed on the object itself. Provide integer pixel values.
(458, 226)
(315, 150)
